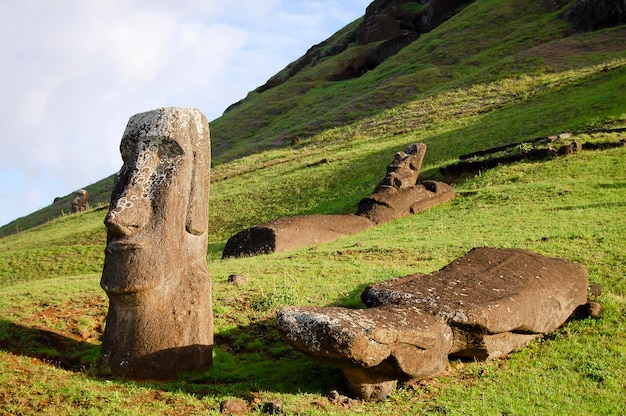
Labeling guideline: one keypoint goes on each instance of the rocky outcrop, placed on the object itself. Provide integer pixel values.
(387, 27)
(397, 195)
(483, 305)
(389, 19)
(588, 15)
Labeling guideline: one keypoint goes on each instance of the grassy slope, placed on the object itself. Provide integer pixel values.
(570, 207)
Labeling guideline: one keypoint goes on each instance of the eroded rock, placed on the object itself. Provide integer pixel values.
(293, 232)
(489, 292)
(483, 305)
(390, 203)
(374, 347)
(160, 319)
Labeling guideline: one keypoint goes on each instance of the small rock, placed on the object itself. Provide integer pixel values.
(234, 407)
(596, 290)
(237, 279)
(594, 309)
(273, 407)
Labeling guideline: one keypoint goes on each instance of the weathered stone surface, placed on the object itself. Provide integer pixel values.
(293, 232)
(490, 292)
(396, 196)
(391, 203)
(373, 347)
(80, 202)
(483, 305)
(160, 319)
(235, 407)
(404, 169)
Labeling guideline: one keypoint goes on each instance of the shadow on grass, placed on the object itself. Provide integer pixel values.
(246, 359)
(53, 347)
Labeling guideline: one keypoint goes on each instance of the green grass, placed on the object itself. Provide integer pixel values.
(51, 306)
(562, 207)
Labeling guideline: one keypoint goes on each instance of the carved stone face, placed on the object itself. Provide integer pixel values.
(151, 221)
(160, 319)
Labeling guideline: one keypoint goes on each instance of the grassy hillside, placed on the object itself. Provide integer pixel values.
(489, 76)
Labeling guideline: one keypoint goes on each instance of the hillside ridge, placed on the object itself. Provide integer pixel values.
(413, 49)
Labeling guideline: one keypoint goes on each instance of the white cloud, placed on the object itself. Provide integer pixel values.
(73, 71)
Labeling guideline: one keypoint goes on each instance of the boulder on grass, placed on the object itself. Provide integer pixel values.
(494, 299)
(373, 347)
(483, 305)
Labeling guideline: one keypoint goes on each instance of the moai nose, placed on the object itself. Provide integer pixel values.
(130, 213)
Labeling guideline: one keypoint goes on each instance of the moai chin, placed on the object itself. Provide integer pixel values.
(160, 320)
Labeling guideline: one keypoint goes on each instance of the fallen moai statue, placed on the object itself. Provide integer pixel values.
(293, 232)
(160, 319)
(399, 194)
(483, 305)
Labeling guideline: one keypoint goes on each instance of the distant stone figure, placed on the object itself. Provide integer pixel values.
(160, 319)
(397, 195)
(81, 201)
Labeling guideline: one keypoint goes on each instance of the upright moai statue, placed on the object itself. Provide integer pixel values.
(160, 320)
(80, 202)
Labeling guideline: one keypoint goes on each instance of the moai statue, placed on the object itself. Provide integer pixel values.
(400, 193)
(80, 202)
(403, 171)
(160, 320)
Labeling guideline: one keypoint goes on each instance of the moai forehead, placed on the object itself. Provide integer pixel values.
(161, 146)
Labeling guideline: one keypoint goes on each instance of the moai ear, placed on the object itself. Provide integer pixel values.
(198, 206)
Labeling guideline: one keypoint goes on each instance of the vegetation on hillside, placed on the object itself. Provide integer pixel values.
(498, 72)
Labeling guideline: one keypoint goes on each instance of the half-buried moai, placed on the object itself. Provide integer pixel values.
(160, 320)
(400, 193)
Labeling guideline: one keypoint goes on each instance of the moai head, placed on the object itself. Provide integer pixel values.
(80, 200)
(159, 205)
(404, 169)
(160, 313)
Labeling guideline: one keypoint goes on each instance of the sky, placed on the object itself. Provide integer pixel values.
(72, 72)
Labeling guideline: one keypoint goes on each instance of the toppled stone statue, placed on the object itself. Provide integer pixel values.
(80, 202)
(160, 319)
(293, 232)
(399, 194)
(483, 305)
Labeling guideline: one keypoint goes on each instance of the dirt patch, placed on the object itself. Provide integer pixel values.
(66, 335)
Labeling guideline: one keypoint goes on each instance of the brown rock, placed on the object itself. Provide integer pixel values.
(236, 407)
(292, 233)
(483, 305)
(373, 347)
(160, 320)
(237, 279)
(390, 203)
(595, 309)
(495, 300)
(403, 171)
